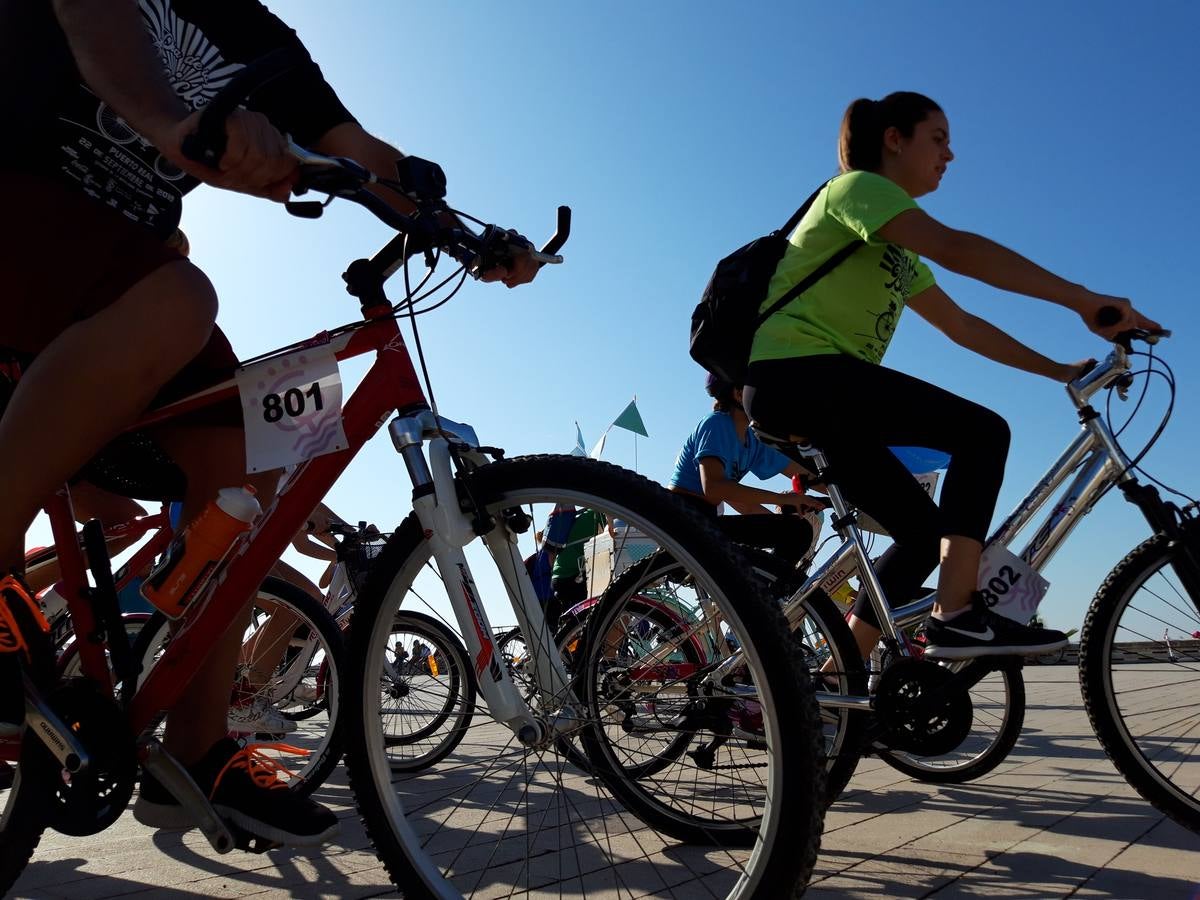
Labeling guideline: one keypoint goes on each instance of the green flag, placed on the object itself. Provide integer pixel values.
(631, 419)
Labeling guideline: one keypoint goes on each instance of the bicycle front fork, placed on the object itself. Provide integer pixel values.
(449, 528)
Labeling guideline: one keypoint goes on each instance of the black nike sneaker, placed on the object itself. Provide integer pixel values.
(980, 632)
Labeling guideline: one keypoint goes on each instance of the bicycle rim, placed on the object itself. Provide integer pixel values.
(296, 670)
(425, 706)
(498, 819)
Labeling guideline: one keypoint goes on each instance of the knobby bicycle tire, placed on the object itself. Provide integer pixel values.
(24, 794)
(1099, 652)
(843, 729)
(423, 851)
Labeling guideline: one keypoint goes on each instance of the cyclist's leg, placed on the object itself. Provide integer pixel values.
(211, 453)
(788, 536)
(262, 653)
(916, 414)
(212, 457)
(129, 349)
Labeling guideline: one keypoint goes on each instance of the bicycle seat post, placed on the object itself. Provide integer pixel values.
(845, 523)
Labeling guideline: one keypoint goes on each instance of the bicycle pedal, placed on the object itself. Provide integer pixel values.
(248, 841)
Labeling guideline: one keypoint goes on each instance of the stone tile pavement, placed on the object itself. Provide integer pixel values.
(1054, 820)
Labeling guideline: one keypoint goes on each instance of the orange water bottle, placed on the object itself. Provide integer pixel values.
(196, 551)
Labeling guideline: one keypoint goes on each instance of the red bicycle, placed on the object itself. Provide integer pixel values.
(505, 806)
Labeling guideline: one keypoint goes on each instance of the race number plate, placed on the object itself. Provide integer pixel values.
(292, 407)
(1009, 586)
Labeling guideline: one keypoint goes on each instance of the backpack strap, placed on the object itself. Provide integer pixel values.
(813, 277)
(799, 214)
(820, 272)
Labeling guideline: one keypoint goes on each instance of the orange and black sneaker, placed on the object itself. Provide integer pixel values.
(248, 788)
(24, 644)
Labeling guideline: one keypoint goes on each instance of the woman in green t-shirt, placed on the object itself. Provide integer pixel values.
(814, 367)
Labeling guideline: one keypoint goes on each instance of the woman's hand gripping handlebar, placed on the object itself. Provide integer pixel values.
(1114, 371)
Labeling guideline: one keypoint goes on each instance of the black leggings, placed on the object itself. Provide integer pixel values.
(789, 537)
(854, 411)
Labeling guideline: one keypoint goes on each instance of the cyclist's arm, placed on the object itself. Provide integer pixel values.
(983, 259)
(116, 58)
(352, 141)
(745, 499)
(317, 529)
(974, 333)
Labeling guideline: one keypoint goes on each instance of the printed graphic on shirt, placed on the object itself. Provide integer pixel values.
(113, 163)
(901, 272)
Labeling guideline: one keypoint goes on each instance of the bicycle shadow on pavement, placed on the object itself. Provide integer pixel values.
(1034, 808)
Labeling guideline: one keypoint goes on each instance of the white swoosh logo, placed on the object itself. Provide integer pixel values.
(986, 635)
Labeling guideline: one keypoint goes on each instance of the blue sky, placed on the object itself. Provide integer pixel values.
(677, 131)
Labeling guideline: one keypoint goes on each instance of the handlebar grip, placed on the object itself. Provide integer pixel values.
(207, 144)
(561, 233)
(1108, 315)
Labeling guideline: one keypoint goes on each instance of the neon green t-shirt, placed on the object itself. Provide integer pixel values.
(854, 308)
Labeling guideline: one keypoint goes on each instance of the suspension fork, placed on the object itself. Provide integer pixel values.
(1163, 517)
(449, 529)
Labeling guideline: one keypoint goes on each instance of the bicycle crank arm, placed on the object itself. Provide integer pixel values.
(53, 731)
(179, 784)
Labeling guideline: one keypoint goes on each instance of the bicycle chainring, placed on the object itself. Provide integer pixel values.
(911, 726)
(87, 802)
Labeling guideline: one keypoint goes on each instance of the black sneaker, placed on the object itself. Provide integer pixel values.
(244, 787)
(978, 632)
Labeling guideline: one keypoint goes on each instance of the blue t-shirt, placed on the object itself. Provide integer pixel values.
(716, 436)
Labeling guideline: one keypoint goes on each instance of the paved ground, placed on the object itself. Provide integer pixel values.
(1054, 820)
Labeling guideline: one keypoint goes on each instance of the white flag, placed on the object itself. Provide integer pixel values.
(599, 448)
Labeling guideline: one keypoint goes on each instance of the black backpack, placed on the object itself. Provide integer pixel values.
(726, 318)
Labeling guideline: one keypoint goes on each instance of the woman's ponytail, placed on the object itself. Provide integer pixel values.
(860, 142)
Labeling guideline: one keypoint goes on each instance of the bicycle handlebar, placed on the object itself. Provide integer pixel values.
(1111, 315)
(207, 144)
(420, 181)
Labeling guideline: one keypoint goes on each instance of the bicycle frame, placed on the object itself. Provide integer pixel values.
(389, 387)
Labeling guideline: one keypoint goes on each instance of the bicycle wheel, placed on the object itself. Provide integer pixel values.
(516, 656)
(291, 661)
(501, 819)
(648, 734)
(27, 770)
(69, 664)
(831, 657)
(998, 704)
(426, 709)
(1139, 667)
(24, 797)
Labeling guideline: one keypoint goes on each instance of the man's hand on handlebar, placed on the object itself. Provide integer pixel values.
(520, 266)
(1129, 318)
(256, 159)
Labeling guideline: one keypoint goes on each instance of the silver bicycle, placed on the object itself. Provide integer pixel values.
(1141, 683)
